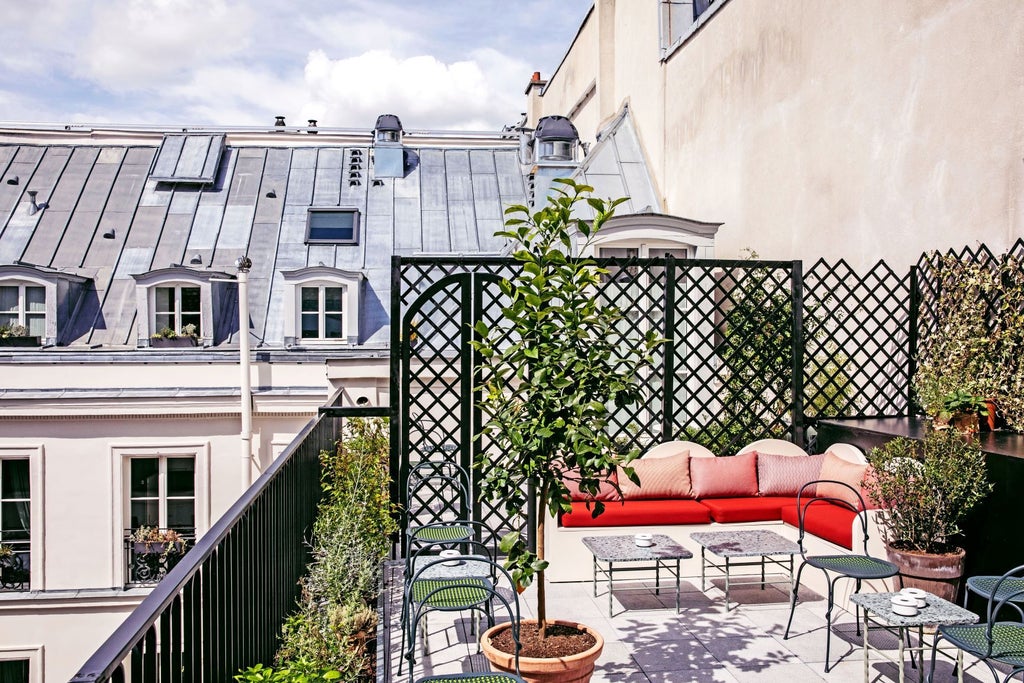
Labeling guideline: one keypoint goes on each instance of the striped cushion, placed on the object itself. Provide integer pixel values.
(659, 478)
(783, 475)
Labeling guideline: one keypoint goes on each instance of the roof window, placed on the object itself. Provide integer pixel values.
(188, 159)
(332, 226)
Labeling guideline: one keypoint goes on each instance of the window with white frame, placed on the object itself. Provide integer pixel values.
(162, 492)
(15, 523)
(23, 305)
(323, 305)
(14, 671)
(321, 311)
(177, 307)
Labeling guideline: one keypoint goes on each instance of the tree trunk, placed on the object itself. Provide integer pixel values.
(542, 611)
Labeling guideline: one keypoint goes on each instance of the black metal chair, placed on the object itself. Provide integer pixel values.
(473, 587)
(860, 568)
(992, 641)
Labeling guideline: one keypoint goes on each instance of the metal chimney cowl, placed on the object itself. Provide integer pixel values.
(388, 154)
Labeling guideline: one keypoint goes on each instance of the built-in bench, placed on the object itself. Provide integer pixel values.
(684, 488)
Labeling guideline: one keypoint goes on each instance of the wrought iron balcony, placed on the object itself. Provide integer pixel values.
(15, 568)
(147, 562)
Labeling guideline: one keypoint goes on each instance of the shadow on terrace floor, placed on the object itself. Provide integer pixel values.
(646, 641)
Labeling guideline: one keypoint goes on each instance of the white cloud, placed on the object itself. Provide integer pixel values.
(139, 44)
(423, 91)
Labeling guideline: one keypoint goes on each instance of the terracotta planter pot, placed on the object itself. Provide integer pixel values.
(573, 669)
(937, 574)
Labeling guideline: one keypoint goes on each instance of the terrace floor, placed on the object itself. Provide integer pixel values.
(645, 640)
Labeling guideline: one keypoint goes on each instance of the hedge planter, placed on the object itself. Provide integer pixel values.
(937, 574)
(570, 669)
(22, 342)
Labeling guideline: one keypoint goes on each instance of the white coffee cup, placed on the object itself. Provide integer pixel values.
(917, 594)
(903, 605)
(453, 556)
(643, 540)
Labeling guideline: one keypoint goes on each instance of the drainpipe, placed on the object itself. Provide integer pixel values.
(244, 263)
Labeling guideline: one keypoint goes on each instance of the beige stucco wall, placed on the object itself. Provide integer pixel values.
(77, 446)
(859, 130)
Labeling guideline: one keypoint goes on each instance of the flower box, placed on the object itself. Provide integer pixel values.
(23, 342)
(172, 342)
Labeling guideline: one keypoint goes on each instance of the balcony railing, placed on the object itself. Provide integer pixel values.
(15, 568)
(147, 562)
(220, 608)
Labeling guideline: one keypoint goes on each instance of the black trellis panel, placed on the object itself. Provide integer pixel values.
(856, 339)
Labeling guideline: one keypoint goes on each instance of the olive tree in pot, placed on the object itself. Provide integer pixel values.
(925, 489)
(554, 368)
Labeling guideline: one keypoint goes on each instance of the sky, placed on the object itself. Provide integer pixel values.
(437, 64)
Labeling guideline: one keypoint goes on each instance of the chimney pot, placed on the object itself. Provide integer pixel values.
(279, 121)
(536, 77)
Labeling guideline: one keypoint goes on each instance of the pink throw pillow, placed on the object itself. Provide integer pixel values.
(783, 475)
(659, 478)
(731, 476)
(606, 489)
(837, 469)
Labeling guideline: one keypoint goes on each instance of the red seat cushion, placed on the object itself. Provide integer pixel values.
(833, 523)
(639, 513)
(748, 509)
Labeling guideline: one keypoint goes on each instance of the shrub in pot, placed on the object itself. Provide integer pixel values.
(554, 370)
(924, 489)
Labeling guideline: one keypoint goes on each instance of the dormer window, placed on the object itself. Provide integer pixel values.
(332, 226)
(23, 306)
(35, 303)
(178, 308)
(178, 302)
(323, 305)
(322, 314)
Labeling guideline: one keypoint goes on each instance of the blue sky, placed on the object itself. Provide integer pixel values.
(438, 64)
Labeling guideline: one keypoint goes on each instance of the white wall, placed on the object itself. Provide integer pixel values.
(860, 130)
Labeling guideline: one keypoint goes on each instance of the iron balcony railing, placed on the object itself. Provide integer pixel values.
(15, 568)
(147, 562)
(220, 608)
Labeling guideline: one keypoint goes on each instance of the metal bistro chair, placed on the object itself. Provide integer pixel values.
(992, 641)
(422, 556)
(472, 586)
(857, 567)
(432, 488)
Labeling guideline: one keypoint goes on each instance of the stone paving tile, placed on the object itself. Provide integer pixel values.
(648, 642)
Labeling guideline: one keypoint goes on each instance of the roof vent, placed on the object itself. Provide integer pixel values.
(557, 139)
(388, 130)
(279, 121)
(312, 127)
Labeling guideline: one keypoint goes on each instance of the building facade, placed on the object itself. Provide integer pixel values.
(868, 130)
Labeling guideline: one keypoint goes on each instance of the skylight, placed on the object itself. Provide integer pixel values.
(332, 226)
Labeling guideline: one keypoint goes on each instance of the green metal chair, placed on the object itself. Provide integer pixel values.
(993, 641)
(431, 489)
(434, 588)
(835, 567)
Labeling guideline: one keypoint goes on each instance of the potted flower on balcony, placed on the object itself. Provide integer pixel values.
(554, 369)
(167, 338)
(924, 489)
(17, 335)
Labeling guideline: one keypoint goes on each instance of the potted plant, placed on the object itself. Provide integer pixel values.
(924, 489)
(16, 335)
(552, 375)
(960, 410)
(168, 338)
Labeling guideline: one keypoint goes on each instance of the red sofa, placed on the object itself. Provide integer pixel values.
(676, 488)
